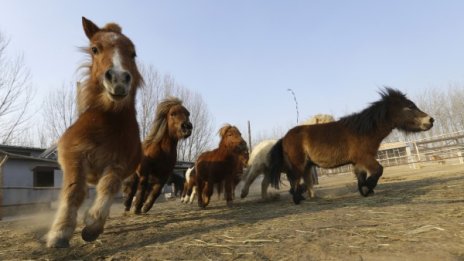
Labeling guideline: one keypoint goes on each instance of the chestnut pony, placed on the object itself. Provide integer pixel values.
(220, 165)
(103, 146)
(171, 124)
(354, 139)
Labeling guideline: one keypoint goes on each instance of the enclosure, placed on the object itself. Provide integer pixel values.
(416, 214)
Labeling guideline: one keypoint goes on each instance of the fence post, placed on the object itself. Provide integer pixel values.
(461, 159)
(2, 163)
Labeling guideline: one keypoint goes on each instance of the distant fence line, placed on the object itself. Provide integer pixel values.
(441, 149)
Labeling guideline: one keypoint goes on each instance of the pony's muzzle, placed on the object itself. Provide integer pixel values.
(117, 83)
(187, 128)
(427, 122)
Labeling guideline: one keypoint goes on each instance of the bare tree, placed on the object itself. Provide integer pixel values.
(59, 112)
(15, 96)
(158, 87)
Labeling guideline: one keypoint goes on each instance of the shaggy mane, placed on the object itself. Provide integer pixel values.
(370, 119)
(160, 123)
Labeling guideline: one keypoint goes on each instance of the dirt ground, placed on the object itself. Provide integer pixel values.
(415, 214)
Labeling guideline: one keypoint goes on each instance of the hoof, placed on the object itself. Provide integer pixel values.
(201, 205)
(297, 199)
(365, 191)
(136, 211)
(90, 235)
(244, 194)
(58, 243)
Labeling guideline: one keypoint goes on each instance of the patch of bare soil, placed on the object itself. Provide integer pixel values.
(414, 215)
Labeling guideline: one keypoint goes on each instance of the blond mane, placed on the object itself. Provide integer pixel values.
(160, 124)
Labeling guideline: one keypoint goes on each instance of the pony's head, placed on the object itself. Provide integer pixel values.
(231, 139)
(403, 113)
(171, 119)
(113, 71)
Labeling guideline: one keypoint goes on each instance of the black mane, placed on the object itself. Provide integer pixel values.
(372, 117)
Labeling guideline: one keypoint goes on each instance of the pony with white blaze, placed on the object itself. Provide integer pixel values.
(259, 162)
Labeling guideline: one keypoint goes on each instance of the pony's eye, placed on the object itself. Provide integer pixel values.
(134, 54)
(94, 50)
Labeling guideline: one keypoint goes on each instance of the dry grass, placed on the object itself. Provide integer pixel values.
(414, 215)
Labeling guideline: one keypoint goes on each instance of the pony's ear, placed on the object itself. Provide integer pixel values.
(90, 28)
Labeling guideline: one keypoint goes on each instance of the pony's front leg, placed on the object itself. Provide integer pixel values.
(72, 195)
(130, 188)
(154, 194)
(206, 193)
(366, 185)
(96, 216)
(192, 194)
(140, 195)
(229, 187)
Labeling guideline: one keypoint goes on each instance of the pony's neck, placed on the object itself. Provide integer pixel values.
(90, 97)
(168, 143)
(384, 129)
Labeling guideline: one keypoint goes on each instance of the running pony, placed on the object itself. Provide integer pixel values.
(172, 123)
(103, 146)
(260, 161)
(220, 166)
(354, 139)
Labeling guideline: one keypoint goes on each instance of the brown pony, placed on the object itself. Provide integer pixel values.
(220, 165)
(354, 139)
(189, 190)
(159, 155)
(103, 146)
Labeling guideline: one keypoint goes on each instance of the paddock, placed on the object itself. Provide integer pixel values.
(415, 214)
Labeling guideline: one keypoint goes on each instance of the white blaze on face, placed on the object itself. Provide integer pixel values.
(117, 63)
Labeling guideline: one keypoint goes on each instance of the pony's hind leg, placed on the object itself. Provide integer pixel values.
(251, 175)
(295, 189)
(72, 195)
(309, 181)
(96, 216)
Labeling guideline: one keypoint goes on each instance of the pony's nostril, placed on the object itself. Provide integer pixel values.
(109, 75)
(432, 120)
(127, 77)
(187, 125)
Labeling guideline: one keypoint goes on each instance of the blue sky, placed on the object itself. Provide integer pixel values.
(242, 56)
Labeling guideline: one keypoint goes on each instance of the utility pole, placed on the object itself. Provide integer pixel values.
(296, 104)
(249, 137)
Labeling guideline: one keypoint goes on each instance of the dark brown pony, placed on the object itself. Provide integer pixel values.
(171, 124)
(354, 139)
(103, 146)
(220, 165)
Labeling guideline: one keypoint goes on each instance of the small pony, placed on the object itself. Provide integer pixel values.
(188, 194)
(103, 146)
(354, 139)
(260, 161)
(178, 182)
(171, 124)
(220, 165)
(189, 186)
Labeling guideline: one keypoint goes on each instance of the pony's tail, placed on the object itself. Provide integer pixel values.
(276, 156)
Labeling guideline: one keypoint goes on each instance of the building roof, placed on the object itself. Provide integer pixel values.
(24, 157)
